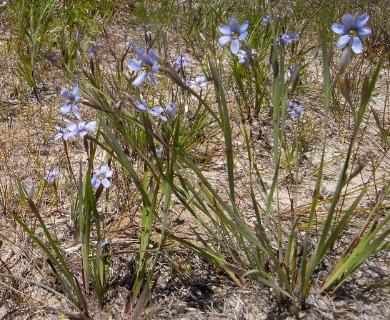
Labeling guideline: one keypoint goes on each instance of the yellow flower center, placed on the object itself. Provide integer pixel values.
(61, 315)
(147, 68)
(100, 177)
(353, 33)
(234, 35)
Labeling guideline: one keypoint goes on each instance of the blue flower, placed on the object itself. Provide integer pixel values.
(159, 151)
(233, 32)
(180, 62)
(80, 129)
(101, 177)
(92, 52)
(61, 133)
(130, 45)
(171, 110)
(51, 175)
(242, 57)
(294, 109)
(200, 81)
(95, 44)
(287, 37)
(72, 98)
(155, 112)
(143, 26)
(147, 66)
(353, 31)
(266, 19)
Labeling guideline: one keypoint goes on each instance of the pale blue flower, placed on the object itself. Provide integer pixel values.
(147, 66)
(155, 112)
(92, 52)
(200, 81)
(159, 151)
(51, 175)
(104, 245)
(180, 62)
(130, 44)
(233, 32)
(286, 38)
(171, 110)
(289, 36)
(266, 19)
(61, 133)
(101, 177)
(72, 98)
(353, 31)
(295, 109)
(80, 129)
(242, 58)
(143, 26)
(95, 44)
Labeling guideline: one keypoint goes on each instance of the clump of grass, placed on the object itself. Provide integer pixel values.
(159, 124)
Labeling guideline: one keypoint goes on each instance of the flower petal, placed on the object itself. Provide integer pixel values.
(90, 126)
(348, 21)
(95, 182)
(75, 89)
(134, 65)
(163, 118)
(71, 126)
(343, 41)
(156, 111)
(137, 82)
(152, 55)
(68, 135)
(361, 20)
(243, 27)
(233, 25)
(104, 168)
(59, 135)
(242, 35)
(141, 106)
(140, 52)
(65, 108)
(357, 45)
(66, 94)
(152, 80)
(364, 32)
(106, 183)
(200, 79)
(155, 67)
(76, 111)
(235, 46)
(338, 28)
(225, 29)
(224, 40)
